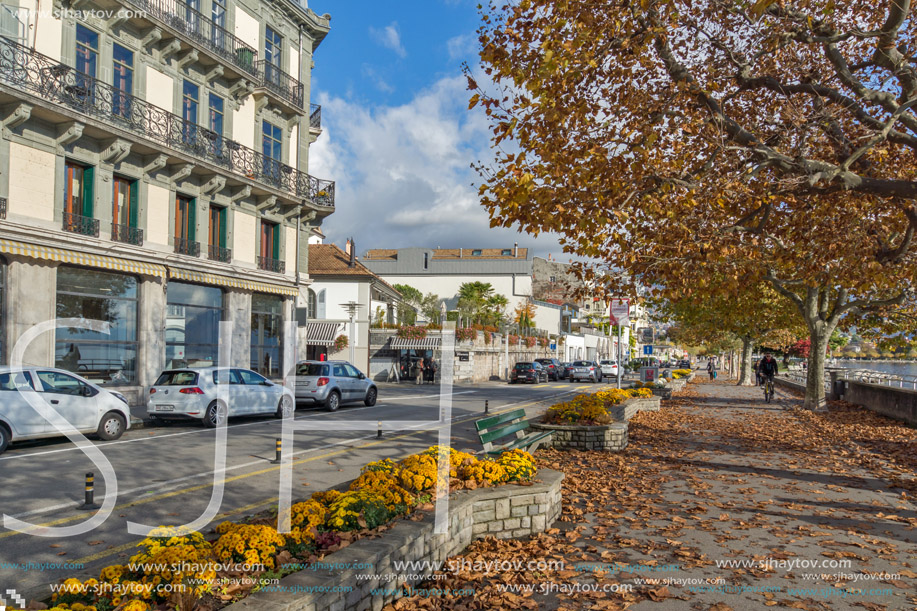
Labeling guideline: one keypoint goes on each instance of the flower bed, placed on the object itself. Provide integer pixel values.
(249, 556)
(595, 421)
(591, 409)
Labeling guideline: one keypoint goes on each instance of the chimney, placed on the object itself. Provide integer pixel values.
(347, 247)
(461, 252)
(353, 253)
(515, 249)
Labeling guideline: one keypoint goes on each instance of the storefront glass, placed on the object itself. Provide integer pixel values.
(267, 334)
(104, 358)
(193, 315)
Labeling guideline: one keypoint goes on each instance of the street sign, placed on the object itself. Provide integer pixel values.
(647, 334)
(648, 350)
(620, 311)
(553, 346)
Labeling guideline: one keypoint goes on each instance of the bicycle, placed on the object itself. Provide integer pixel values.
(768, 389)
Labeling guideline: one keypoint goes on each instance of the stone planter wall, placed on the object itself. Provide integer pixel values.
(504, 512)
(625, 410)
(603, 437)
(663, 393)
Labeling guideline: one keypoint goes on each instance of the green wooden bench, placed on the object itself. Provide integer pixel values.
(505, 425)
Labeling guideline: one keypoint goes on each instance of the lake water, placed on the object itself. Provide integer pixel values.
(895, 368)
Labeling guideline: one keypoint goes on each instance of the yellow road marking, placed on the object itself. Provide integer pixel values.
(165, 495)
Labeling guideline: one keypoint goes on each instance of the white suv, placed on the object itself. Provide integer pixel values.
(609, 368)
(89, 408)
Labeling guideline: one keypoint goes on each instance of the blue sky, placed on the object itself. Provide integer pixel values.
(398, 137)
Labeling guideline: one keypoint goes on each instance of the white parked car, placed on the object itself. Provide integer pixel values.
(609, 368)
(192, 393)
(88, 407)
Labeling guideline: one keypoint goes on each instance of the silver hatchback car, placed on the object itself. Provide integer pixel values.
(332, 383)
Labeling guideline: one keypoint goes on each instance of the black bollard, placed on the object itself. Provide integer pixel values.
(379, 431)
(486, 406)
(277, 448)
(89, 502)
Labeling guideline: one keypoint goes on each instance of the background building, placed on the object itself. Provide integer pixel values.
(338, 279)
(154, 176)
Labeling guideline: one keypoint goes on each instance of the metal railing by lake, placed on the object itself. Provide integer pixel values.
(868, 376)
(40, 75)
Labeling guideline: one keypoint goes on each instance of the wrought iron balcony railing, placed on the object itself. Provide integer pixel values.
(315, 116)
(281, 83)
(184, 246)
(2, 207)
(127, 234)
(84, 225)
(193, 25)
(272, 265)
(218, 253)
(38, 74)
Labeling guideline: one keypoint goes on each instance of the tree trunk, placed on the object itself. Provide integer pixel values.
(746, 373)
(819, 333)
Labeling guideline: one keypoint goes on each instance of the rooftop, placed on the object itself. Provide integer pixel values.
(380, 254)
(329, 260)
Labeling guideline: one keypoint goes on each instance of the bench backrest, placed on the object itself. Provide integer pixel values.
(503, 425)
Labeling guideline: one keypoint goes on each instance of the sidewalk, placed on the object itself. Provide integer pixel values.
(725, 502)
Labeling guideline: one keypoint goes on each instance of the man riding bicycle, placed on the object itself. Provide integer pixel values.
(767, 369)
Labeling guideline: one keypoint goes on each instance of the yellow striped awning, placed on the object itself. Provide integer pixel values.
(177, 273)
(47, 253)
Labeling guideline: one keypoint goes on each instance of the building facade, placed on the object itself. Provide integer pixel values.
(154, 177)
(442, 271)
(340, 284)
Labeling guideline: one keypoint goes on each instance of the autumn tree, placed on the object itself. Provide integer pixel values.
(749, 317)
(756, 139)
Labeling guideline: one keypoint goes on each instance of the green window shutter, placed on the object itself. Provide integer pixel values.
(192, 218)
(223, 216)
(88, 184)
(276, 230)
(135, 206)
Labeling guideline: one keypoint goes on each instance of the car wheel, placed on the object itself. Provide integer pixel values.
(370, 399)
(111, 426)
(4, 438)
(334, 401)
(285, 407)
(215, 415)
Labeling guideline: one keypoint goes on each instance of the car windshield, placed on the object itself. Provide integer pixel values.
(523, 365)
(607, 362)
(312, 369)
(177, 378)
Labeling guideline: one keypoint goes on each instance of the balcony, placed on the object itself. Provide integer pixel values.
(127, 234)
(272, 265)
(280, 83)
(184, 246)
(218, 253)
(83, 225)
(315, 116)
(39, 75)
(192, 25)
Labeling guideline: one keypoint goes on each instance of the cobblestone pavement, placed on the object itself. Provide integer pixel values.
(722, 502)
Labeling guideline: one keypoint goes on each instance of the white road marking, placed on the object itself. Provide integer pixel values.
(204, 430)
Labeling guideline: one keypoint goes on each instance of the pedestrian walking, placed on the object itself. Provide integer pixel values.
(430, 370)
(711, 368)
(418, 371)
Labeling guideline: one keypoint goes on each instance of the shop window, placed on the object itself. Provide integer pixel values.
(266, 334)
(193, 315)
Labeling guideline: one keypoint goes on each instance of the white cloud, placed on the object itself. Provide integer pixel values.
(389, 38)
(462, 46)
(403, 175)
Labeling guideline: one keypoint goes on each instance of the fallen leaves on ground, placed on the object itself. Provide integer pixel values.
(713, 477)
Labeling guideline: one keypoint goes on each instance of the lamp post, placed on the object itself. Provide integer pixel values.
(442, 310)
(351, 307)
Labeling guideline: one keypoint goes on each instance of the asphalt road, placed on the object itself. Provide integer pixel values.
(165, 474)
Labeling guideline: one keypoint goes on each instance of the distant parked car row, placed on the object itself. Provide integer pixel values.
(207, 394)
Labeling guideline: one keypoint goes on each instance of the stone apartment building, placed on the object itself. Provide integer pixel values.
(154, 175)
